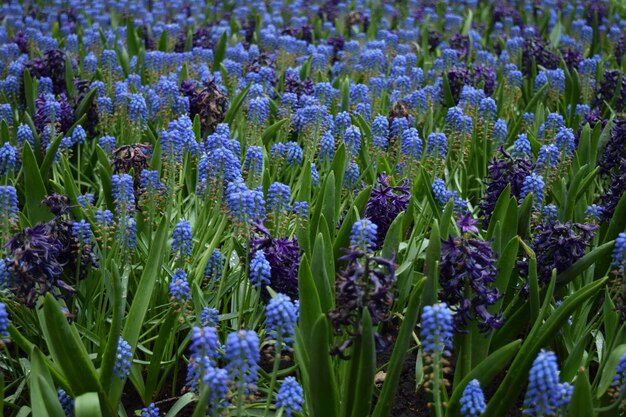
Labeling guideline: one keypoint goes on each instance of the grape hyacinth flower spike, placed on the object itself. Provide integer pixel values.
(545, 395)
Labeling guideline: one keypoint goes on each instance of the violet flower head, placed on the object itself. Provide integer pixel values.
(366, 281)
(615, 148)
(467, 266)
(283, 256)
(41, 258)
(502, 172)
(615, 190)
(558, 245)
(386, 202)
(467, 224)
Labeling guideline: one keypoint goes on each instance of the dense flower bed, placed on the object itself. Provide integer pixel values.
(325, 209)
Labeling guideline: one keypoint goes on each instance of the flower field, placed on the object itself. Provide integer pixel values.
(300, 208)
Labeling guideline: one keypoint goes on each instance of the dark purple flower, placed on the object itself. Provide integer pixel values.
(502, 172)
(44, 258)
(613, 85)
(21, 40)
(620, 48)
(201, 38)
(59, 204)
(467, 224)
(67, 113)
(328, 10)
(337, 42)
(616, 190)
(457, 78)
(459, 43)
(572, 57)
(386, 202)
(558, 245)
(502, 10)
(467, 272)
(209, 102)
(434, 39)
(52, 65)
(485, 76)
(283, 256)
(536, 50)
(615, 148)
(366, 281)
(293, 84)
(596, 10)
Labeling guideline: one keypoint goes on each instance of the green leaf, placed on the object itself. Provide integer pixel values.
(468, 23)
(360, 386)
(555, 35)
(181, 403)
(393, 238)
(533, 284)
(500, 210)
(585, 262)
(310, 307)
(574, 359)
(581, 404)
(131, 38)
(163, 42)
(155, 367)
(236, 104)
(69, 77)
(323, 386)
(85, 103)
(271, 131)
(448, 99)
(431, 266)
(143, 295)
(40, 386)
(35, 188)
(610, 369)
(29, 92)
(343, 237)
(110, 347)
(87, 405)
(484, 372)
(305, 68)
(513, 382)
(220, 51)
(523, 216)
(320, 275)
(67, 350)
(394, 370)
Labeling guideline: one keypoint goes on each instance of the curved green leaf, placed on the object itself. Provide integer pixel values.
(394, 370)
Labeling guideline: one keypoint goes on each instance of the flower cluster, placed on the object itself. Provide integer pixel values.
(437, 329)
(545, 395)
(386, 202)
(283, 257)
(557, 246)
(467, 275)
(502, 173)
(365, 282)
(45, 258)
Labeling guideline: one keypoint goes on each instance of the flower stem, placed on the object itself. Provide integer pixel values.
(278, 347)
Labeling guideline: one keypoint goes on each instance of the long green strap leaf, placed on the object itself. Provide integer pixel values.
(394, 370)
(35, 188)
(143, 295)
(87, 405)
(513, 382)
